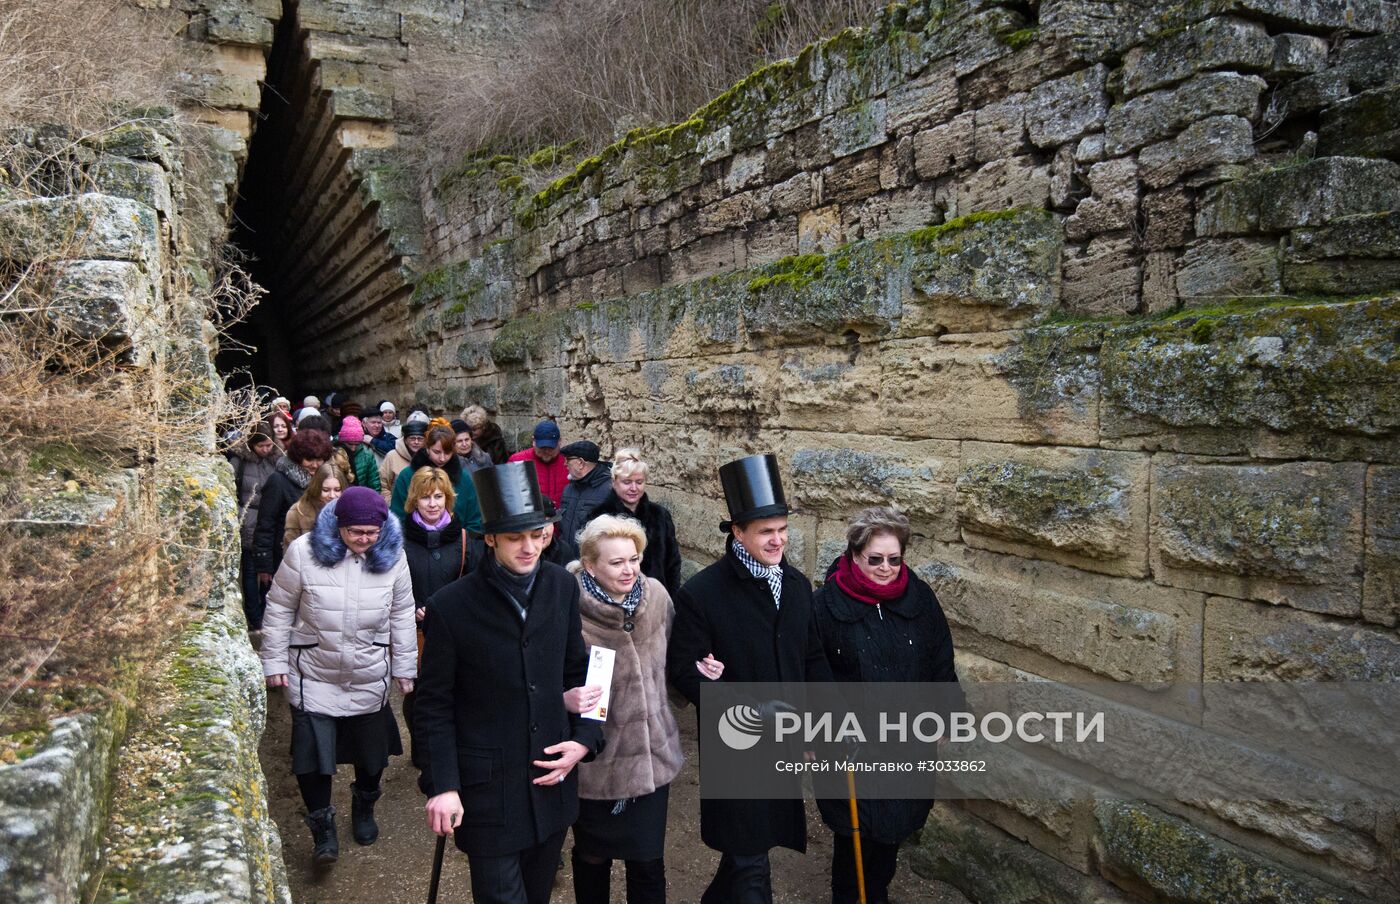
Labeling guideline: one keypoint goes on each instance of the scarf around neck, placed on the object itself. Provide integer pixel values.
(773, 574)
(439, 525)
(629, 603)
(857, 586)
(295, 472)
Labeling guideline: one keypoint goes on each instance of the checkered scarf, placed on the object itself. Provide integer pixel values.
(773, 574)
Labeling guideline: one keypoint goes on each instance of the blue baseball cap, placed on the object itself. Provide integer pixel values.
(547, 434)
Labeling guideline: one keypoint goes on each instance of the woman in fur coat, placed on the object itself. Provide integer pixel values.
(339, 625)
(623, 793)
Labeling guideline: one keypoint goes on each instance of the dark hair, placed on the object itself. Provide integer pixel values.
(461, 426)
(309, 444)
(442, 437)
(314, 422)
(419, 406)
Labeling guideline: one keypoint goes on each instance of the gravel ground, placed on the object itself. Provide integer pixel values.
(397, 867)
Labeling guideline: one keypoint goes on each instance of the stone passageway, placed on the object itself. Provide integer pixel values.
(396, 868)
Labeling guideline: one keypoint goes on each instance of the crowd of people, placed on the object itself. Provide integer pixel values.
(421, 554)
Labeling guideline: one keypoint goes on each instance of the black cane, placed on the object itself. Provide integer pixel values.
(437, 869)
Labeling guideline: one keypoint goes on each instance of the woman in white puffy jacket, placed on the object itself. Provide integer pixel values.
(339, 626)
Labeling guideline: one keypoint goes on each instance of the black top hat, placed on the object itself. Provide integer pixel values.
(510, 499)
(752, 490)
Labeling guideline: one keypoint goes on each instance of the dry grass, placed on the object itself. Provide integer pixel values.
(593, 69)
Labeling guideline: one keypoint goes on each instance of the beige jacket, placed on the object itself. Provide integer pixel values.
(390, 467)
(340, 625)
(301, 518)
(643, 750)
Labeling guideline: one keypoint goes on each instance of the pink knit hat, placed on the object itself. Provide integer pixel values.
(351, 431)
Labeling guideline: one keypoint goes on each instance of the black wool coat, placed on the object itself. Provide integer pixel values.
(905, 639)
(435, 557)
(580, 498)
(490, 698)
(662, 560)
(279, 494)
(727, 611)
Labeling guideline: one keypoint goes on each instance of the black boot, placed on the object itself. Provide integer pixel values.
(362, 823)
(327, 845)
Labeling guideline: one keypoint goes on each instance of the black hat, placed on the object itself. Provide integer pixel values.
(752, 490)
(415, 428)
(510, 499)
(582, 448)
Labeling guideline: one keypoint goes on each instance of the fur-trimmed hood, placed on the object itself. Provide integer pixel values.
(328, 549)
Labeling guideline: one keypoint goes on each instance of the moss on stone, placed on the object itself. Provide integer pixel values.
(795, 272)
(1022, 37)
(934, 236)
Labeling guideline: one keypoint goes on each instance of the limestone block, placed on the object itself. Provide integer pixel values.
(835, 475)
(108, 301)
(1380, 594)
(1103, 628)
(1373, 235)
(930, 99)
(1369, 62)
(1113, 204)
(944, 148)
(1218, 43)
(90, 226)
(676, 458)
(1289, 534)
(1159, 282)
(992, 868)
(1159, 115)
(697, 518)
(746, 169)
(1168, 219)
(730, 395)
(1215, 269)
(1299, 54)
(360, 20)
(999, 129)
(1313, 92)
(1063, 109)
(828, 388)
(234, 24)
(1101, 278)
(1142, 846)
(819, 230)
(1343, 15)
(850, 179)
(1011, 182)
(238, 92)
(967, 388)
(1205, 143)
(1309, 194)
(139, 180)
(1064, 179)
(855, 128)
(1079, 507)
(1254, 642)
(1367, 125)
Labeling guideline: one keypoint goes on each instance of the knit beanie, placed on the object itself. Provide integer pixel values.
(351, 430)
(417, 416)
(307, 412)
(360, 507)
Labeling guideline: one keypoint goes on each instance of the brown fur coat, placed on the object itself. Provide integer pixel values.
(643, 750)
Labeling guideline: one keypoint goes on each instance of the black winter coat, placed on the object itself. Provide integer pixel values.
(490, 698)
(727, 611)
(494, 442)
(279, 494)
(580, 498)
(906, 639)
(435, 556)
(662, 560)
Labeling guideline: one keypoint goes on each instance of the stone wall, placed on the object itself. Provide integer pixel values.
(1102, 293)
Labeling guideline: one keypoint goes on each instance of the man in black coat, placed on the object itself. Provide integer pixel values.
(497, 746)
(590, 482)
(751, 614)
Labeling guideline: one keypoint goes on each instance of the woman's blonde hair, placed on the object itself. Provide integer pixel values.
(425, 481)
(317, 483)
(627, 462)
(608, 527)
(475, 416)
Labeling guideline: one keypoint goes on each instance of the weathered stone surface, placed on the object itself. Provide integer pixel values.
(1299, 54)
(930, 99)
(1205, 143)
(108, 301)
(1288, 533)
(1380, 594)
(1309, 194)
(1367, 125)
(1063, 109)
(1113, 204)
(89, 226)
(944, 148)
(1357, 254)
(1144, 846)
(1080, 507)
(1161, 114)
(1217, 43)
(855, 129)
(1012, 182)
(1212, 270)
(234, 24)
(139, 180)
(1100, 278)
(1115, 628)
(1168, 219)
(999, 129)
(1327, 371)
(1254, 642)
(1369, 62)
(834, 480)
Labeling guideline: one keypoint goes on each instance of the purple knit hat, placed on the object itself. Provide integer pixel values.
(352, 431)
(360, 507)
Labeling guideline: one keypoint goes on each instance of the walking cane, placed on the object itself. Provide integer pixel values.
(437, 870)
(855, 836)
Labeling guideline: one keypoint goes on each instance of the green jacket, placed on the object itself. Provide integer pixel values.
(363, 463)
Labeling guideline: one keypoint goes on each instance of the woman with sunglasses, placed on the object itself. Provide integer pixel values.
(878, 622)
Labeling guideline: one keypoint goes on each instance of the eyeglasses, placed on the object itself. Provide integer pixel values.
(363, 533)
(877, 561)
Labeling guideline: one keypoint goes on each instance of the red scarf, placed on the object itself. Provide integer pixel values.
(856, 585)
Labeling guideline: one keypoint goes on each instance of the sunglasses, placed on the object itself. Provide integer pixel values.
(877, 561)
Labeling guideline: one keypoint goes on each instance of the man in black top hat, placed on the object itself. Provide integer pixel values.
(498, 748)
(752, 612)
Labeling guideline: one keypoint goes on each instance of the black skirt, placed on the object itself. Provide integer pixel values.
(319, 742)
(638, 832)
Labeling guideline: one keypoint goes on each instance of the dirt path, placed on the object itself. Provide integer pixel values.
(396, 868)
